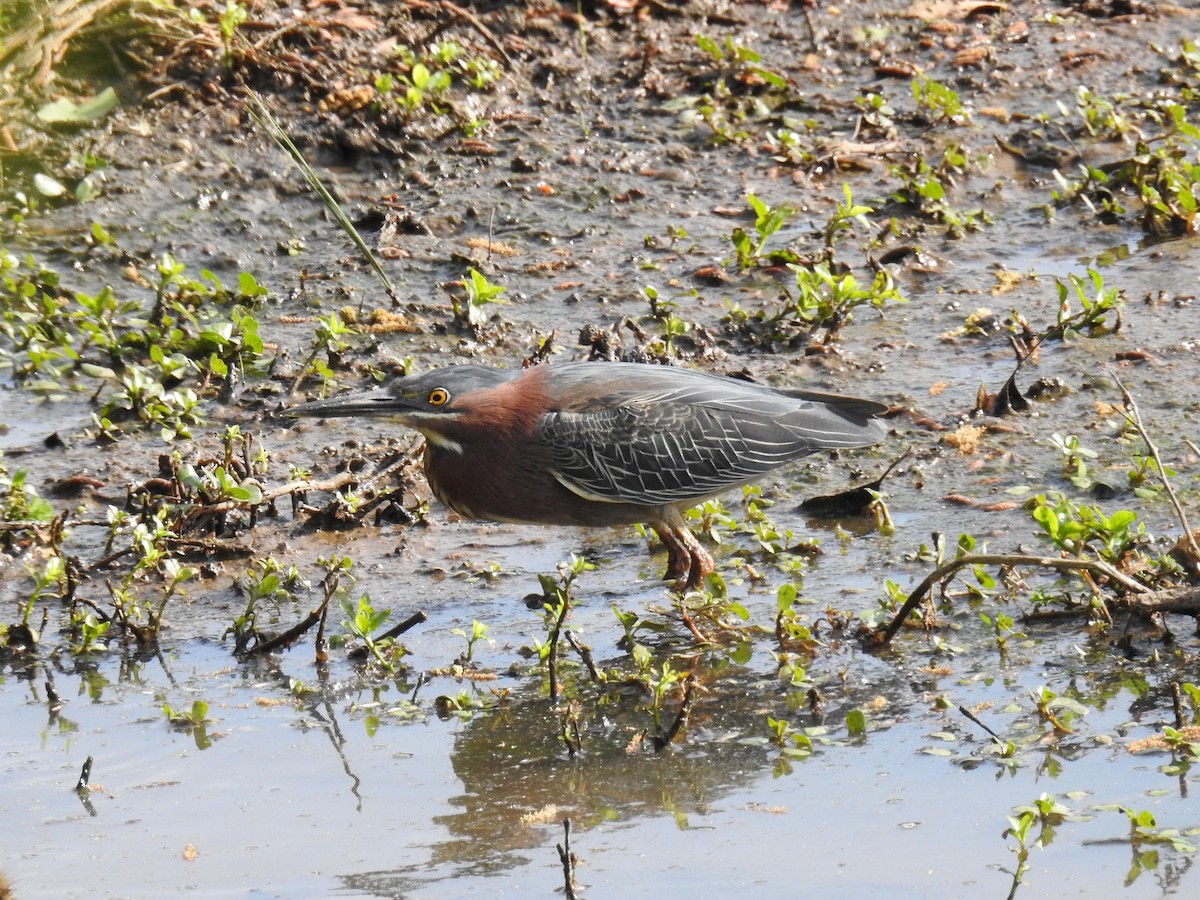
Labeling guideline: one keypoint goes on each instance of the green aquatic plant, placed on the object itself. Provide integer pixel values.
(363, 620)
(19, 500)
(938, 102)
(845, 216)
(145, 368)
(792, 743)
(1080, 530)
(478, 633)
(471, 311)
(749, 251)
(1092, 313)
(827, 300)
(739, 61)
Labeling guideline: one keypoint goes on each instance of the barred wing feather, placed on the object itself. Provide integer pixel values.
(691, 442)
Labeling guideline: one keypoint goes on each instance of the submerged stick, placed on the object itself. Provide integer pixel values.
(568, 861)
(289, 637)
(665, 739)
(85, 776)
(411, 622)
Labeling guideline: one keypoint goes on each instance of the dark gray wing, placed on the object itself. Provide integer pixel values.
(695, 437)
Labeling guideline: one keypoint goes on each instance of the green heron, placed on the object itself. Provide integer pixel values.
(597, 444)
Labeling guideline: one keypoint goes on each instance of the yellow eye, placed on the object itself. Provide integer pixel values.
(438, 397)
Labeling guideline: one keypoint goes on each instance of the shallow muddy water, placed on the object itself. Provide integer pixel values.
(449, 780)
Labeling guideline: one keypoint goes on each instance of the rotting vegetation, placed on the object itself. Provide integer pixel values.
(164, 353)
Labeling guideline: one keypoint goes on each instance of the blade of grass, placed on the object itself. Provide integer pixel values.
(263, 116)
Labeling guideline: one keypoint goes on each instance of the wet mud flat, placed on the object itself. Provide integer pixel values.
(976, 213)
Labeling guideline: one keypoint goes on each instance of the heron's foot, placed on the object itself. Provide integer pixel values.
(687, 565)
(687, 561)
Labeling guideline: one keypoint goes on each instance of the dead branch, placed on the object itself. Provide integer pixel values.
(1061, 564)
(289, 637)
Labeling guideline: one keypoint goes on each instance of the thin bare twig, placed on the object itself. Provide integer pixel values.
(974, 718)
(270, 124)
(586, 655)
(568, 861)
(1134, 417)
(552, 657)
(474, 21)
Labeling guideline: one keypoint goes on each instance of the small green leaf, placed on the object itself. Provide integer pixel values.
(856, 722)
(67, 112)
